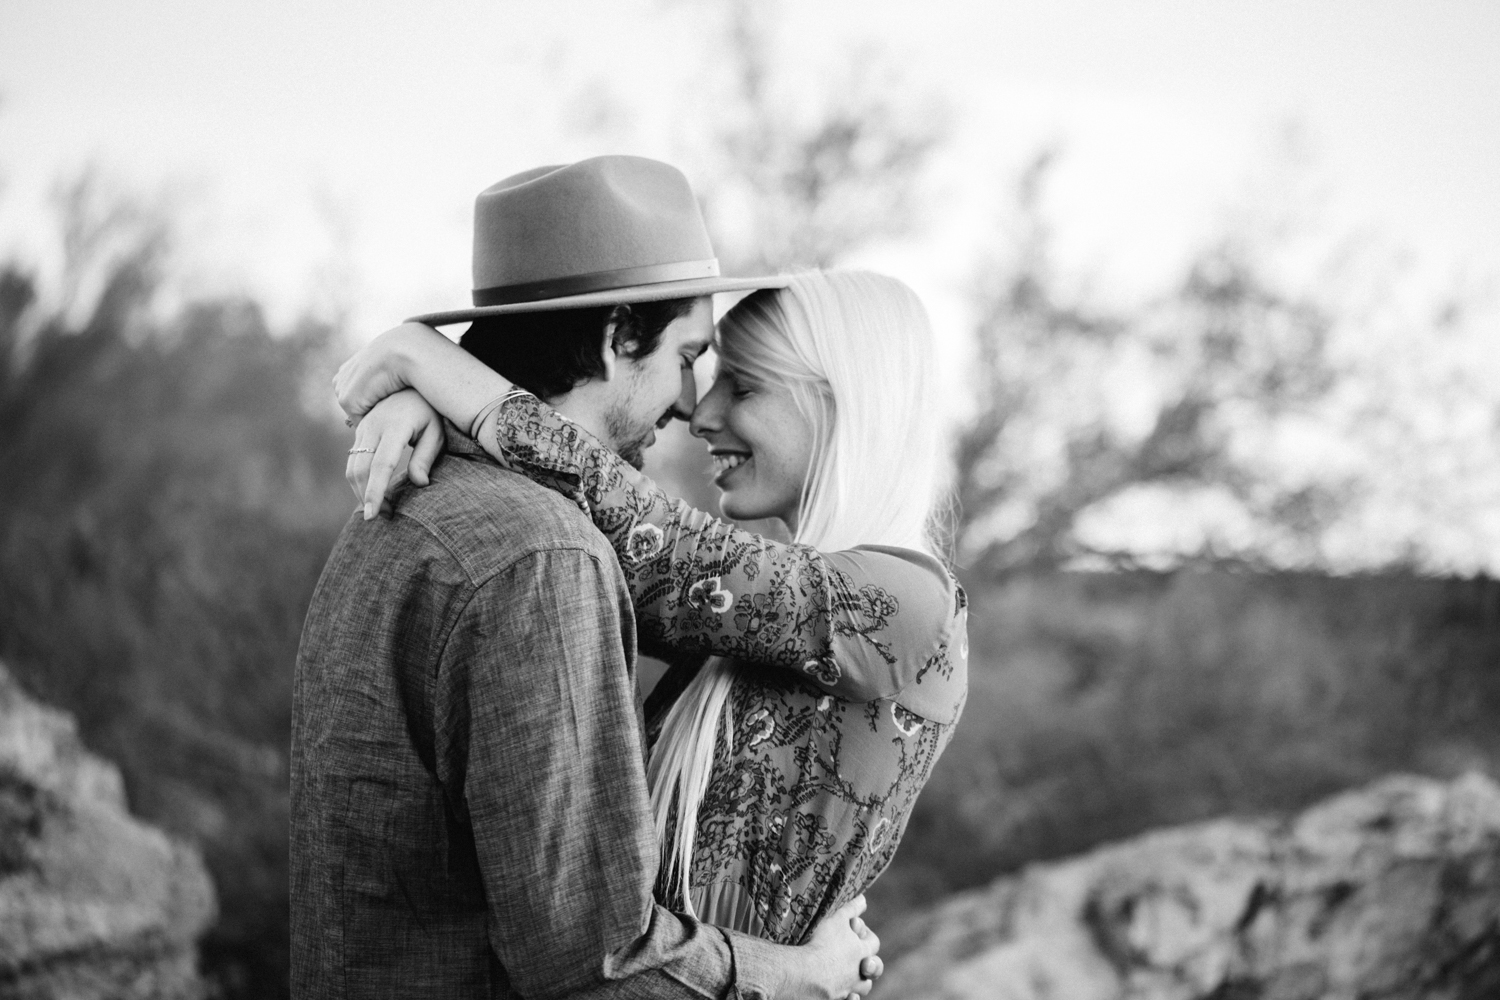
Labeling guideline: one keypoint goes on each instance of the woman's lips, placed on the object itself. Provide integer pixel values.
(725, 462)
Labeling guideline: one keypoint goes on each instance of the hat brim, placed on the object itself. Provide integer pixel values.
(690, 288)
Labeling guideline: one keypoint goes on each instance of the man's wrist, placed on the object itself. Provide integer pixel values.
(760, 966)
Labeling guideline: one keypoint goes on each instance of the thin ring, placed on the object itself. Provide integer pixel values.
(356, 451)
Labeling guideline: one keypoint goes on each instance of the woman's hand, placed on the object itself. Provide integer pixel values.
(399, 421)
(840, 959)
(458, 384)
(382, 367)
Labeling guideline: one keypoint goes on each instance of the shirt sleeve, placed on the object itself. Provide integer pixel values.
(862, 623)
(556, 795)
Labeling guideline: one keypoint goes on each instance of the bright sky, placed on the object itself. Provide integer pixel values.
(284, 122)
(313, 143)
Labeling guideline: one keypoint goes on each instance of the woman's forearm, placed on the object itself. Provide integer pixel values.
(457, 384)
(858, 623)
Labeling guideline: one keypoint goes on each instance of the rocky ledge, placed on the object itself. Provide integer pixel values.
(1391, 891)
(93, 903)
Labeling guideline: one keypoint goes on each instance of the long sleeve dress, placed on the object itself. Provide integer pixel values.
(850, 674)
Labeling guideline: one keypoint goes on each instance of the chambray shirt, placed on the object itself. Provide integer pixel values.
(469, 807)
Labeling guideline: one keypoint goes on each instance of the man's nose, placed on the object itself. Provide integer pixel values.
(687, 398)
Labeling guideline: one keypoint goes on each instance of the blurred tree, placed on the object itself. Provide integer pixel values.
(1227, 395)
(801, 171)
(168, 504)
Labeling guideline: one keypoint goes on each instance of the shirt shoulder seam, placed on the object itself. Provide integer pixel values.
(533, 549)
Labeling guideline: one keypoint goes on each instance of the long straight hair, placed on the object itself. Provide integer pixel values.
(855, 350)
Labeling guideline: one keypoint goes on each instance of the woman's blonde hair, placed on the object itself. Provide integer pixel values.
(855, 350)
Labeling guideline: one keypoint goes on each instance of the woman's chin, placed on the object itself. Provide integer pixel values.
(728, 507)
(737, 508)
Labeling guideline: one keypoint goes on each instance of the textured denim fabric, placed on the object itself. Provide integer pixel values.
(469, 808)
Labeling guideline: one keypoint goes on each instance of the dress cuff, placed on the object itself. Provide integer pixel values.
(757, 966)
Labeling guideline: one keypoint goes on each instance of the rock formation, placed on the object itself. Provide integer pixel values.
(1391, 891)
(93, 903)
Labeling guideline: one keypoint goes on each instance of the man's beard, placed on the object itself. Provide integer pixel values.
(628, 437)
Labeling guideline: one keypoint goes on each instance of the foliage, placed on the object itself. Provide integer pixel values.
(1245, 414)
(1102, 705)
(168, 503)
(801, 174)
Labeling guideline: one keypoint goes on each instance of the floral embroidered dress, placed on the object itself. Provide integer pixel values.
(850, 671)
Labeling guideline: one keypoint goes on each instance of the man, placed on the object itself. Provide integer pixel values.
(469, 808)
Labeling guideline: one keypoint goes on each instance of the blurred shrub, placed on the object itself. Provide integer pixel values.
(1283, 402)
(1102, 705)
(167, 504)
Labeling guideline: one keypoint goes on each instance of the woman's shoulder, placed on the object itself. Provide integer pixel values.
(925, 623)
(925, 595)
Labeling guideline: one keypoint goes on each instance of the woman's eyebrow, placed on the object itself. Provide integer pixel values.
(737, 375)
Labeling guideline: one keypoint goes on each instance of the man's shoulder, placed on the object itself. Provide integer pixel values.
(489, 518)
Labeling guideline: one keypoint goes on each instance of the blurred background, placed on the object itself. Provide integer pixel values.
(1215, 287)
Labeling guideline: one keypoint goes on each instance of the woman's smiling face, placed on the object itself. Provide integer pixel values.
(761, 445)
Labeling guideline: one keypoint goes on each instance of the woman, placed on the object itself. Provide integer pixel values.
(785, 767)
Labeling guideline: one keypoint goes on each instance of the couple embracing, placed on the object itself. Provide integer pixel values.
(481, 805)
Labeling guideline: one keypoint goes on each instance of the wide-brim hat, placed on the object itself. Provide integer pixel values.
(604, 231)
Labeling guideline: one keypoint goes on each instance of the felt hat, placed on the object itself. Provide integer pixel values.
(603, 231)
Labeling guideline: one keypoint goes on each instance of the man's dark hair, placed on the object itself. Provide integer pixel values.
(548, 353)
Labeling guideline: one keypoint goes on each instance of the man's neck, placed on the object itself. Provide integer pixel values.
(581, 408)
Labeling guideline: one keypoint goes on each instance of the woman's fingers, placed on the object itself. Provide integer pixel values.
(871, 967)
(357, 468)
(379, 461)
(343, 388)
(382, 467)
(428, 447)
(357, 472)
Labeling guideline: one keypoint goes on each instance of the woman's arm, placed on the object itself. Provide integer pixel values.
(373, 387)
(458, 385)
(862, 624)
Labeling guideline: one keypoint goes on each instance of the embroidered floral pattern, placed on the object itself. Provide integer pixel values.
(879, 835)
(906, 722)
(643, 543)
(710, 594)
(807, 799)
(800, 605)
(806, 804)
(823, 668)
(760, 726)
(757, 614)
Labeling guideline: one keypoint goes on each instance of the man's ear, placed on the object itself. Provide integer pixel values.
(610, 346)
(607, 354)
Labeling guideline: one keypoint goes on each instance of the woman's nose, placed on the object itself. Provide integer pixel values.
(709, 415)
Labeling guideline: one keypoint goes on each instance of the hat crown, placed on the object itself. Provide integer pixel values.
(596, 216)
(612, 230)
